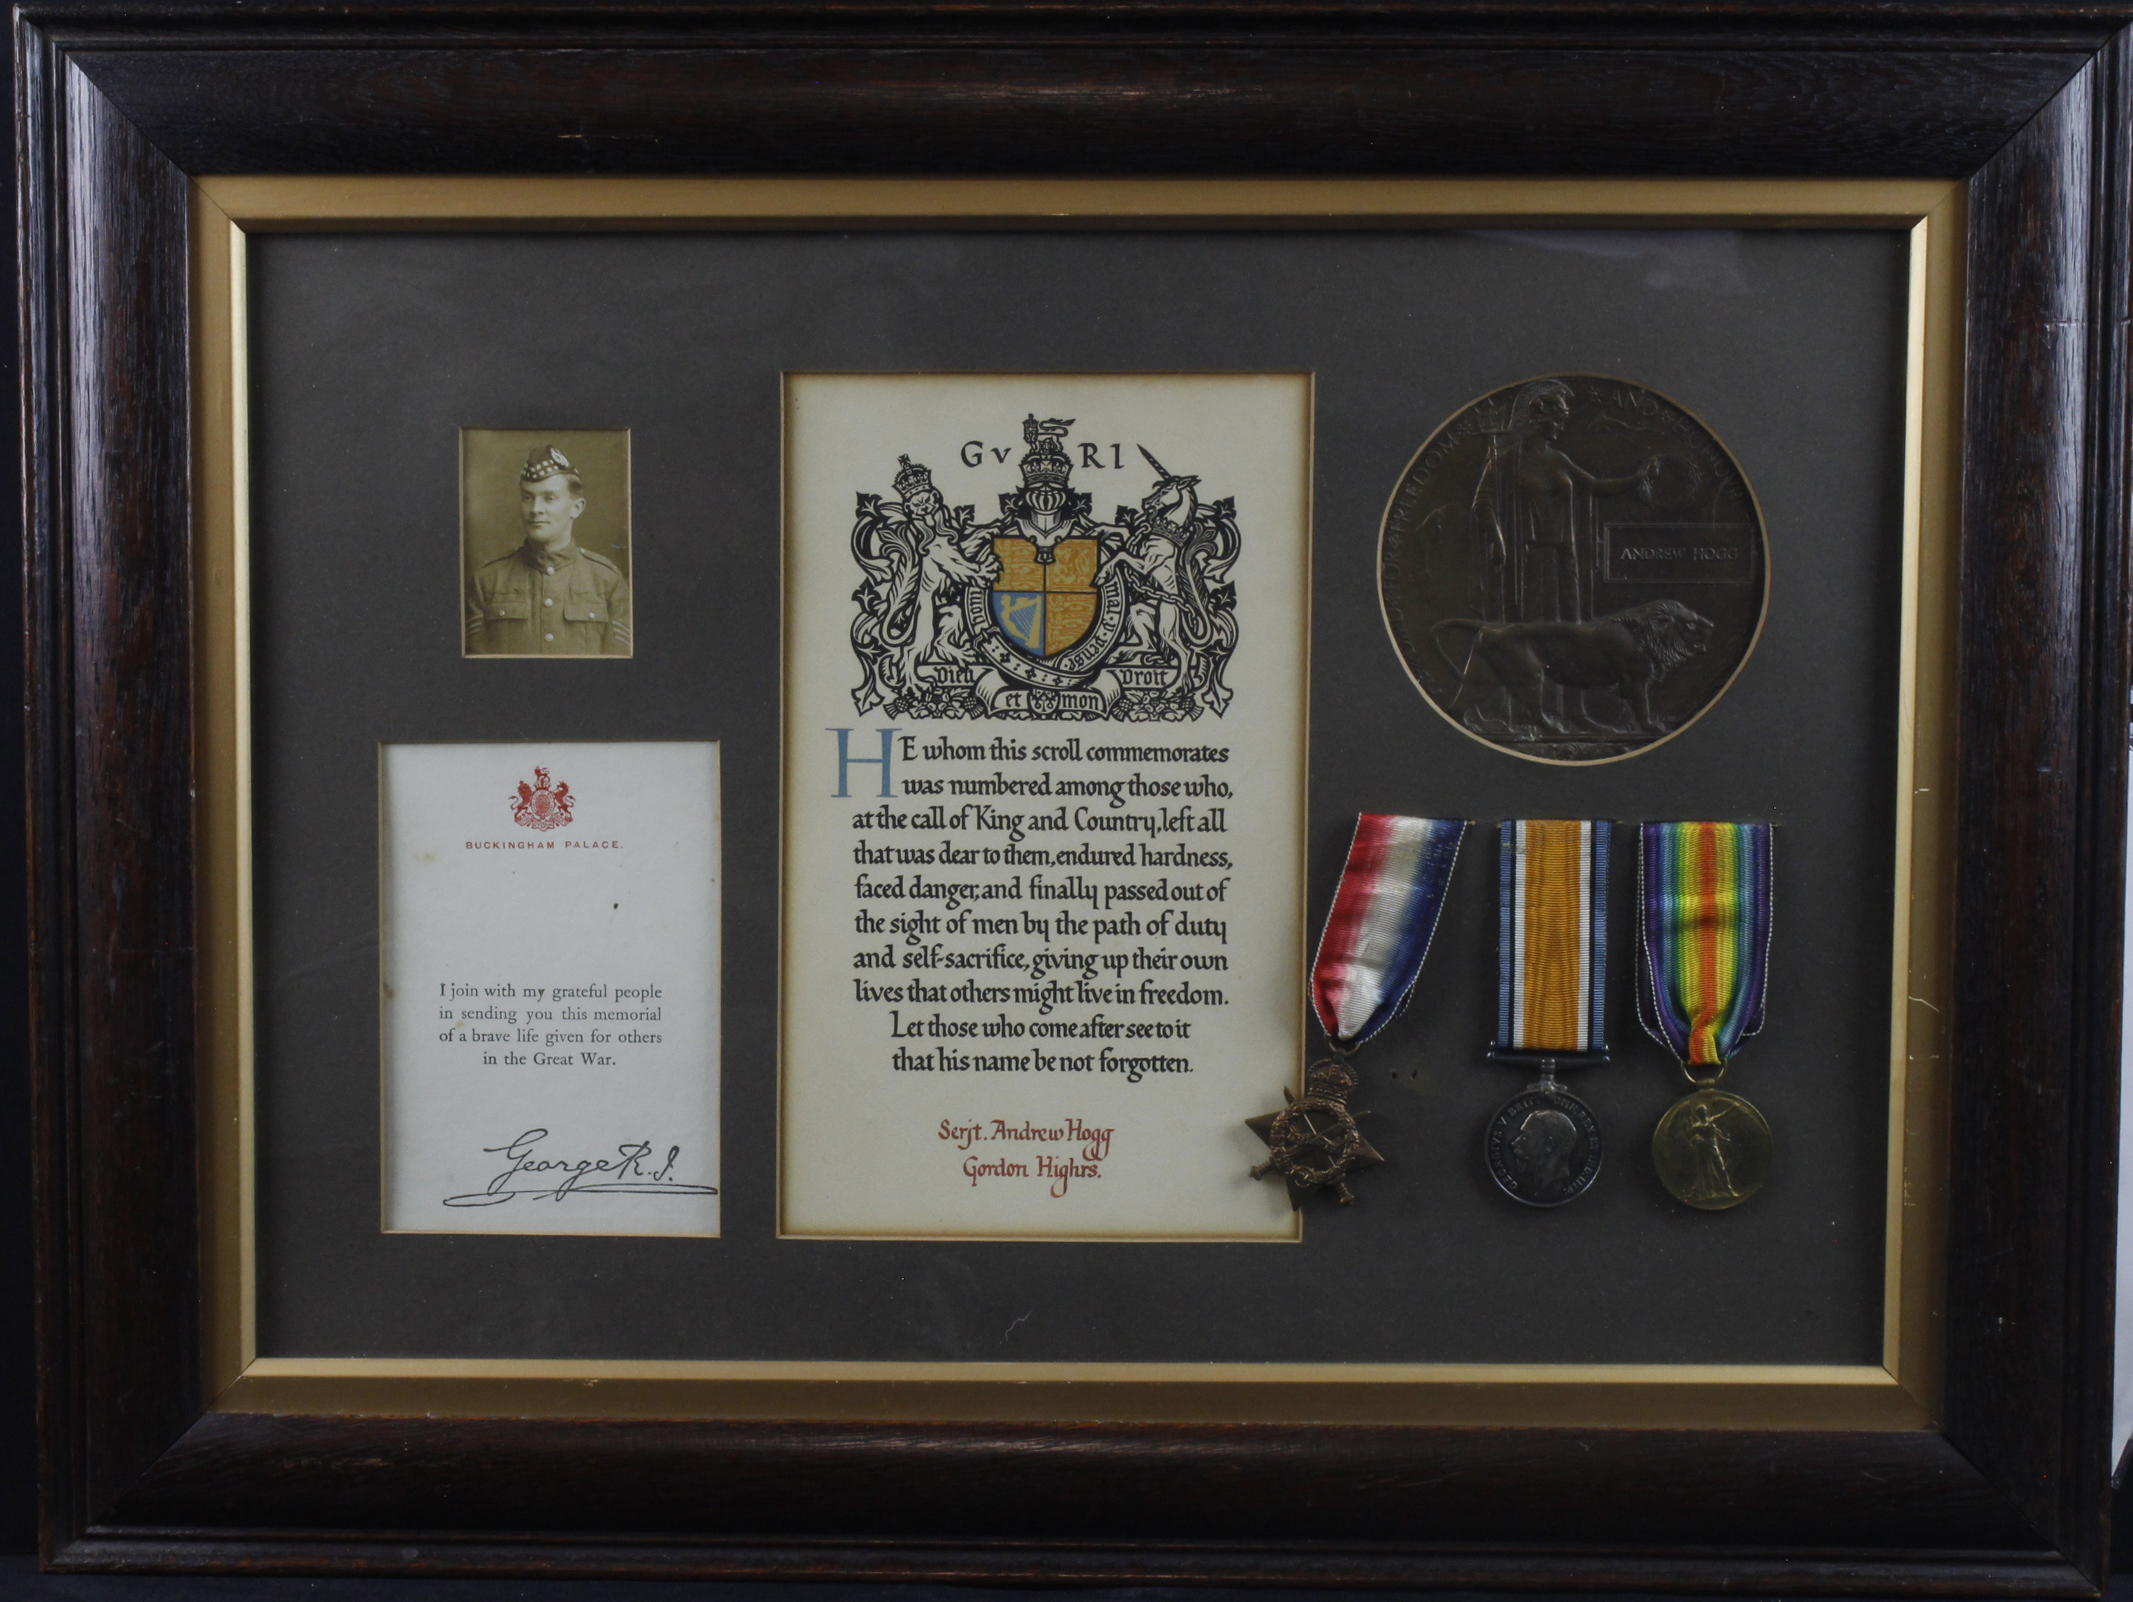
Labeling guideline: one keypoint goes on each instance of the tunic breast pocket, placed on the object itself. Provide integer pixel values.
(584, 612)
(508, 609)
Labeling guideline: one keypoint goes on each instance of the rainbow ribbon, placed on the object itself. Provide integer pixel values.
(1551, 935)
(1384, 915)
(1705, 891)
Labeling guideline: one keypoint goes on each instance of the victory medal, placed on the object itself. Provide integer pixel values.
(1543, 1145)
(1377, 935)
(1704, 890)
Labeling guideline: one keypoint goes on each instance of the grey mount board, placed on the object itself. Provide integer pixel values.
(369, 354)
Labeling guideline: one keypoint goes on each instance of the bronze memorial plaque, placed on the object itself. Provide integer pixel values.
(1573, 568)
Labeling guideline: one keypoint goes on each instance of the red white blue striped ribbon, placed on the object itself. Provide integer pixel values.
(1383, 916)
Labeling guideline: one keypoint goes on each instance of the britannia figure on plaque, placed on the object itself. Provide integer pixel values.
(1528, 504)
(551, 595)
(1044, 611)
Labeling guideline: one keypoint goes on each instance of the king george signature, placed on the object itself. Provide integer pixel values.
(537, 1176)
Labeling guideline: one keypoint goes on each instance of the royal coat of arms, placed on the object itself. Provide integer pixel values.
(1044, 612)
(540, 805)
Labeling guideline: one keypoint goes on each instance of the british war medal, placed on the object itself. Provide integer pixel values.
(1704, 890)
(1572, 568)
(1543, 1145)
(1376, 937)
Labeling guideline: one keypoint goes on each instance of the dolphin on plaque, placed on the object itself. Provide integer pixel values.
(1043, 611)
(1573, 569)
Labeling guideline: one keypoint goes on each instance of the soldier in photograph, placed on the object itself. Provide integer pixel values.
(551, 596)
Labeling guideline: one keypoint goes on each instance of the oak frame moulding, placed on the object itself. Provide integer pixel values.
(151, 138)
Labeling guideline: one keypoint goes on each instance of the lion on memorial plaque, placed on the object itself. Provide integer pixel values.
(1625, 653)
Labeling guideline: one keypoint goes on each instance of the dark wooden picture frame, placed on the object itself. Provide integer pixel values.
(119, 105)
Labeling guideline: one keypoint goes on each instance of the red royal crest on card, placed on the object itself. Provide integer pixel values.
(538, 805)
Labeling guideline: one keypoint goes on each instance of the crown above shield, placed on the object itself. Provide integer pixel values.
(1045, 462)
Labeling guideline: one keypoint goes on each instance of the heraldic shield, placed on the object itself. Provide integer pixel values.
(1043, 608)
(1044, 611)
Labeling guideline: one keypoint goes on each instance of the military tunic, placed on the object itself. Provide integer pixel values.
(571, 602)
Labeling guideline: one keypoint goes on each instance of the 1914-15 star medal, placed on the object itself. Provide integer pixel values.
(1378, 933)
(1313, 1143)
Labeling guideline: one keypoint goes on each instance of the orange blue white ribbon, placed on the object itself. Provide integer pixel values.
(1551, 935)
(1383, 917)
(1705, 895)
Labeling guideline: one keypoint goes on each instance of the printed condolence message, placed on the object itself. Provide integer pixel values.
(1044, 769)
(550, 969)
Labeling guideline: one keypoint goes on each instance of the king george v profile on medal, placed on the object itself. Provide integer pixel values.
(551, 596)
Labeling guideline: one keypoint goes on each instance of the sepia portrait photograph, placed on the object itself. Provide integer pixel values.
(544, 540)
